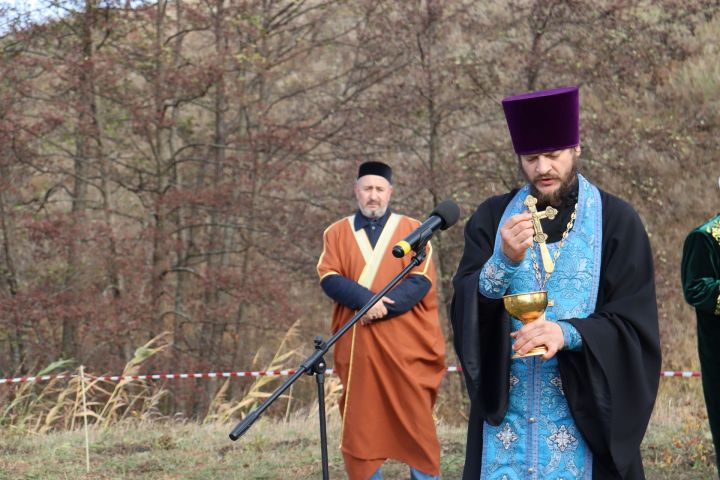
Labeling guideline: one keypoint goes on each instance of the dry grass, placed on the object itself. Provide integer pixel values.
(39, 407)
(678, 444)
(150, 450)
(223, 409)
(43, 436)
(273, 449)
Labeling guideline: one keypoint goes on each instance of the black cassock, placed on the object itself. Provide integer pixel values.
(611, 383)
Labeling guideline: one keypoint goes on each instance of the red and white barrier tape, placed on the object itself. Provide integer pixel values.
(680, 374)
(158, 376)
(265, 373)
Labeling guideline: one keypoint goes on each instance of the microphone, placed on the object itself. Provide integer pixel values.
(444, 215)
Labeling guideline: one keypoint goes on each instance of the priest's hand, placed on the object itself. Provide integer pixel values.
(517, 236)
(536, 333)
(377, 311)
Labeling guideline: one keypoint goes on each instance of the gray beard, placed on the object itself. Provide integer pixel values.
(377, 213)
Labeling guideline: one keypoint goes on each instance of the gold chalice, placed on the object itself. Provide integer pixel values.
(527, 307)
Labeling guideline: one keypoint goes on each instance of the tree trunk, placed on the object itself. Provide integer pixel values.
(9, 280)
(86, 149)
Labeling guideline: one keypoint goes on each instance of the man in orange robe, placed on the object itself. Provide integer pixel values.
(392, 361)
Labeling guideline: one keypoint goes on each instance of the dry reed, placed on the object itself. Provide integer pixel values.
(37, 407)
(223, 410)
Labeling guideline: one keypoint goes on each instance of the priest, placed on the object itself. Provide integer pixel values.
(579, 410)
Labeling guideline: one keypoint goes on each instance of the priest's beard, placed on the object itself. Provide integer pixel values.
(556, 197)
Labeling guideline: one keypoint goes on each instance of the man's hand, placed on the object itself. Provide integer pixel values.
(539, 332)
(517, 236)
(377, 311)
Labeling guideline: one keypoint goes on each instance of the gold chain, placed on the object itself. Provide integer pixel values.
(543, 281)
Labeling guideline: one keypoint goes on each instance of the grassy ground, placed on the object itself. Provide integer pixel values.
(677, 447)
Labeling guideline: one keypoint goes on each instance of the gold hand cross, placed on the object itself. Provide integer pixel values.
(540, 237)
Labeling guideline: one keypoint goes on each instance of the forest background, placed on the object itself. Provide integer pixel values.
(167, 169)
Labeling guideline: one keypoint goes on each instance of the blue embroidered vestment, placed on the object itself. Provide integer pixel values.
(538, 438)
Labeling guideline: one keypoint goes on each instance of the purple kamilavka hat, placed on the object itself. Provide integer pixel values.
(544, 121)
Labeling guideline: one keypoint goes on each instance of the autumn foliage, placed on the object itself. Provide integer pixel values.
(170, 166)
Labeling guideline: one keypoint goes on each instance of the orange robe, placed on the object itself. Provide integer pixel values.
(390, 369)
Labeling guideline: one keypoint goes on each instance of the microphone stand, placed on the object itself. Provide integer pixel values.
(315, 364)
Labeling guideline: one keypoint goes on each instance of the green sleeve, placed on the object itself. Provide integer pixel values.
(700, 272)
